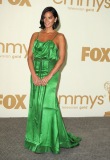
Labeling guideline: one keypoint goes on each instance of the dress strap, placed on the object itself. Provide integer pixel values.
(54, 36)
(38, 35)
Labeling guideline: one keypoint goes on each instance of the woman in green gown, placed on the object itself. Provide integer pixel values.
(45, 129)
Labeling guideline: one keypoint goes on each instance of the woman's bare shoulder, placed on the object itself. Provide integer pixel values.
(34, 35)
(61, 36)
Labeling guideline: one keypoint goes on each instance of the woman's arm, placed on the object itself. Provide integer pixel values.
(35, 78)
(62, 51)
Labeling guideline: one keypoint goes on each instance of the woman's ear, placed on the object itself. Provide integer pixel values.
(55, 19)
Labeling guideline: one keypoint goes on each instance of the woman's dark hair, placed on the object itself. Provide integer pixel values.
(55, 14)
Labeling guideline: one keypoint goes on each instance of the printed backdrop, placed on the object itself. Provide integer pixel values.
(84, 88)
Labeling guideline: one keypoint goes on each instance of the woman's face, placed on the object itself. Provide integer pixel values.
(49, 20)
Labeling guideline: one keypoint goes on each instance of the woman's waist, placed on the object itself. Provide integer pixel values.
(41, 59)
(44, 64)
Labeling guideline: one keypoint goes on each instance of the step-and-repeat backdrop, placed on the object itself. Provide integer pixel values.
(84, 88)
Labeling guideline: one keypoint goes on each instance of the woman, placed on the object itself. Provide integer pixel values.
(45, 129)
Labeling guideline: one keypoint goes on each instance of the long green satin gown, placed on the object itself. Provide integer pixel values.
(45, 129)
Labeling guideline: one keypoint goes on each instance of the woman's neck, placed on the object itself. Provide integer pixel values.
(49, 30)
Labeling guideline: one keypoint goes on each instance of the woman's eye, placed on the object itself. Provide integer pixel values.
(50, 17)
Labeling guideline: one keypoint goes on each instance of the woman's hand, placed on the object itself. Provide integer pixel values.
(36, 80)
(45, 80)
